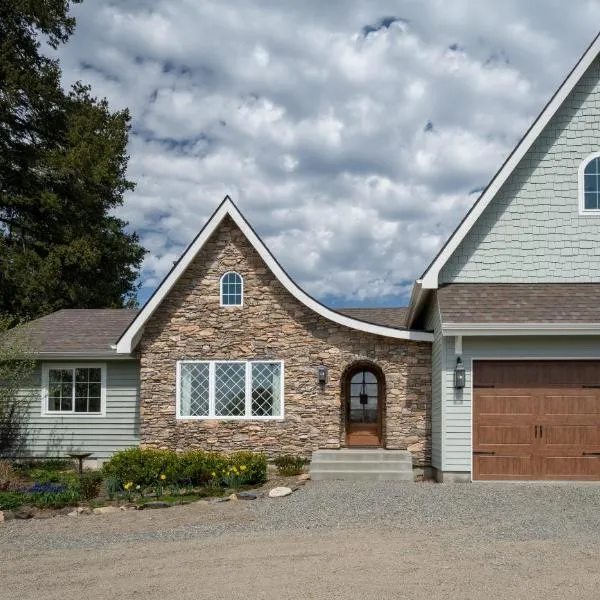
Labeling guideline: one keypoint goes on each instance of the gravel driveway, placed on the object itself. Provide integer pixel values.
(328, 540)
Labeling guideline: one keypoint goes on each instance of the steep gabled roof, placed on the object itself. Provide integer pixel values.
(429, 279)
(128, 341)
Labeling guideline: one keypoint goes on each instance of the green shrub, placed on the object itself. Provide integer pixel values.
(145, 467)
(255, 463)
(11, 500)
(198, 466)
(288, 464)
(67, 497)
(89, 484)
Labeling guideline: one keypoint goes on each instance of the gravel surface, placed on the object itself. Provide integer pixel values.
(438, 541)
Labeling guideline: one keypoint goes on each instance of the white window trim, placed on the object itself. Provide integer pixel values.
(221, 290)
(211, 391)
(70, 414)
(594, 212)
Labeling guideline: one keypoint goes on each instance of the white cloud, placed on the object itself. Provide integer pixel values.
(353, 155)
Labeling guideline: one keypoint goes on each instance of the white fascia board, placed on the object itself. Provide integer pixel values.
(430, 277)
(126, 344)
(519, 329)
(82, 356)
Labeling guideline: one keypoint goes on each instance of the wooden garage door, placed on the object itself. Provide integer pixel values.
(536, 420)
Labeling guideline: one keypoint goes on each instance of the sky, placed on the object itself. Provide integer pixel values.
(354, 136)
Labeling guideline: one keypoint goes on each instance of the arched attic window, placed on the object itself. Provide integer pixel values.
(232, 289)
(589, 185)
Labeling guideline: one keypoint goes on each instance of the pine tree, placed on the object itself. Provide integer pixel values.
(63, 167)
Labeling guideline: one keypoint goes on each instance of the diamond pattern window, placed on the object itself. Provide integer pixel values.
(73, 389)
(232, 289)
(230, 389)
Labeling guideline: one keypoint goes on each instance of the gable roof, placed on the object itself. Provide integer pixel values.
(131, 336)
(429, 279)
(79, 333)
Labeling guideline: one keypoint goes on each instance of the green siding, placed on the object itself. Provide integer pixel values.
(457, 404)
(433, 323)
(532, 230)
(56, 436)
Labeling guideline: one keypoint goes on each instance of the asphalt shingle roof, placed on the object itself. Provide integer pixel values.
(520, 302)
(85, 331)
(388, 317)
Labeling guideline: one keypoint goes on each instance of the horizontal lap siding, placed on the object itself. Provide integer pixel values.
(458, 403)
(56, 436)
(433, 323)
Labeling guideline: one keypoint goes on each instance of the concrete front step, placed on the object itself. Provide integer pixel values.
(360, 475)
(368, 455)
(361, 465)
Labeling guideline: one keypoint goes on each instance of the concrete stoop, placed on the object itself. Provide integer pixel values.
(361, 465)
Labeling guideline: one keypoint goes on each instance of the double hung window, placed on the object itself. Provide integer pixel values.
(73, 389)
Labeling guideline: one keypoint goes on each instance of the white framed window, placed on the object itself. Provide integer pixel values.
(74, 389)
(232, 289)
(589, 185)
(221, 389)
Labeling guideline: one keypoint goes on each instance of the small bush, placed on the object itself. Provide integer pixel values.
(255, 463)
(90, 483)
(197, 466)
(142, 466)
(7, 475)
(11, 500)
(288, 464)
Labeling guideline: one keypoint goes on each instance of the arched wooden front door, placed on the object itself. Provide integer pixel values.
(363, 394)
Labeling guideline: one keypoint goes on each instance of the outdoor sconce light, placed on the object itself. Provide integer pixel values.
(459, 375)
(322, 374)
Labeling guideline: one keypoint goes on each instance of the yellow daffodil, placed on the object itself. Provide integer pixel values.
(213, 474)
(162, 476)
(243, 468)
(128, 485)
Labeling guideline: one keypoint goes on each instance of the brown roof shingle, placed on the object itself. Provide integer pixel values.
(388, 317)
(520, 302)
(83, 331)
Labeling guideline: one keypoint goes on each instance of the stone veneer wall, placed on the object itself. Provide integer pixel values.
(272, 324)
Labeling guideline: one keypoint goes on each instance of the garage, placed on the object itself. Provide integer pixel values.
(536, 420)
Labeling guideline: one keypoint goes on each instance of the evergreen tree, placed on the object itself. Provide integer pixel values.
(62, 173)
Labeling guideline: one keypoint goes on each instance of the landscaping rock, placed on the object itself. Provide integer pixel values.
(105, 510)
(24, 512)
(233, 497)
(9, 515)
(304, 477)
(80, 510)
(1, 517)
(246, 496)
(280, 492)
(157, 504)
(218, 500)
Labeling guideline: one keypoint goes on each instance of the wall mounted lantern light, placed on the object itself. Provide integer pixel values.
(459, 375)
(322, 374)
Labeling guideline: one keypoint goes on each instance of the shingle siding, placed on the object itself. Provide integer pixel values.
(56, 436)
(532, 230)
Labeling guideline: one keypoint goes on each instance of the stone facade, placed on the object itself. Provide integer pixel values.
(272, 324)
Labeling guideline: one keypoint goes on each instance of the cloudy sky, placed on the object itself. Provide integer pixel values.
(353, 135)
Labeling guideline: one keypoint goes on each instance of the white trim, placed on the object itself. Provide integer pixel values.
(458, 345)
(211, 390)
(57, 413)
(221, 290)
(431, 275)
(518, 329)
(126, 343)
(587, 212)
(82, 356)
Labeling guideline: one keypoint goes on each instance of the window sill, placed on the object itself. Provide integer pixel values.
(589, 212)
(74, 414)
(230, 418)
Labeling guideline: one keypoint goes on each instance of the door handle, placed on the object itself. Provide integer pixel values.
(481, 452)
(541, 432)
(591, 454)
(535, 430)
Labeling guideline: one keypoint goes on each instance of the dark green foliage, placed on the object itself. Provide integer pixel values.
(11, 500)
(288, 464)
(142, 466)
(62, 173)
(90, 483)
(154, 469)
